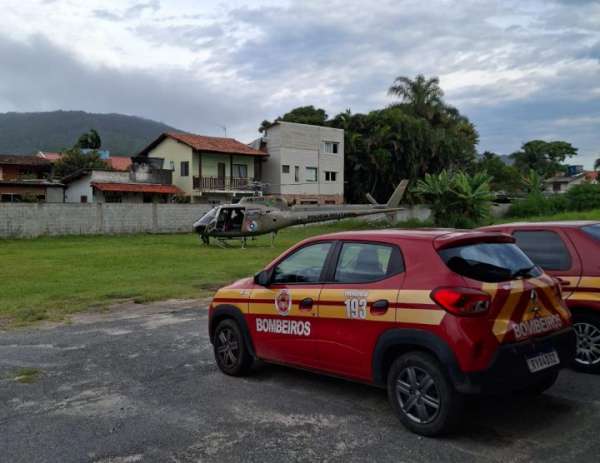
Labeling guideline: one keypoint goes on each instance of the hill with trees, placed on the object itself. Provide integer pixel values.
(27, 133)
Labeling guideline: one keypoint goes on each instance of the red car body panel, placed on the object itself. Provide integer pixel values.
(581, 282)
(326, 337)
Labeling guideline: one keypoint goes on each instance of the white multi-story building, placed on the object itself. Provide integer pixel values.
(305, 164)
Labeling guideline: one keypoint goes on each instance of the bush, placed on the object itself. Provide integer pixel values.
(537, 204)
(584, 197)
(457, 200)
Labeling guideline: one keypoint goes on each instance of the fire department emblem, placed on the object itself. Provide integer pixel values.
(283, 302)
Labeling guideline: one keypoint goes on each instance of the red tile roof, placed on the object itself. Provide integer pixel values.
(119, 162)
(49, 155)
(203, 143)
(23, 160)
(591, 175)
(137, 187)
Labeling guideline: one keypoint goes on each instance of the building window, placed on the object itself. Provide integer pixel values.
(330, 176)
(172, 165)
(239, 171)
(83, 199)
(285, 169)
(185, 169)
(311, 174)
(330, 147)
(113, 197)
(296, 174)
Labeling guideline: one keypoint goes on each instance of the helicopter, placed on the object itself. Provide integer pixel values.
(260, 215)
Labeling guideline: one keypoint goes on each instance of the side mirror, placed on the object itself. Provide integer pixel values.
(262, 278)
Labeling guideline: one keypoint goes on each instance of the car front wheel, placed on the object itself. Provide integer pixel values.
(587, 329)
(422, 396)
(231, 352)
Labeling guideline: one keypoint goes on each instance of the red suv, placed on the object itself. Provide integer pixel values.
(570, 252)
(429, 314)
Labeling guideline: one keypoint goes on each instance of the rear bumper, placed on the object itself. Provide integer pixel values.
(508, 371)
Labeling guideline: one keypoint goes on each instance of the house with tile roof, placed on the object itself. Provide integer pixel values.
(26, 178)
(121, 163)
(208, 169)
(145, 182)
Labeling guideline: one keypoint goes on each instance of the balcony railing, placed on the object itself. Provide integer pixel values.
(222, 183)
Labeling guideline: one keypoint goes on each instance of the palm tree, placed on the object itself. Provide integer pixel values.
(423, 95)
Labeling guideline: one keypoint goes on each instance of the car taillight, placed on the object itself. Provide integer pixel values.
(462, 301)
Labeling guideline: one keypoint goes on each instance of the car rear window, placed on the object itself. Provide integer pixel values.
(489, 262)
(545, 248)
(593, 231)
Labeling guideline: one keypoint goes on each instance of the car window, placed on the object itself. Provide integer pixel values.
(593, 231)
(545, 248)
(364, 262)
(303, 266)
(489, 262)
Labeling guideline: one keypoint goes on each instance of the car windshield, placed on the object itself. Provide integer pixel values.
(593, 231)
(490, 262)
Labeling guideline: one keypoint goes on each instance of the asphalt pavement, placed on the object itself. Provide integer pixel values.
(139, 384)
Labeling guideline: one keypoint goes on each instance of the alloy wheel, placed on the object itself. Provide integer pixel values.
(228, 348)
(588, 343)
(418, 395)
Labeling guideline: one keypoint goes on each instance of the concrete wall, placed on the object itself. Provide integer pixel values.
(23, 220)
(300, 146)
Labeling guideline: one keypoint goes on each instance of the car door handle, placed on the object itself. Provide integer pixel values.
(306, 303)
(380, 307)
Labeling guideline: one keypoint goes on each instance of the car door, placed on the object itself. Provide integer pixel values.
(283, 312)
(553, 251)
(357, 304)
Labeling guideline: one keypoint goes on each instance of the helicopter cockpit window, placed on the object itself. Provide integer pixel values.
(230, 219)
(208, 217)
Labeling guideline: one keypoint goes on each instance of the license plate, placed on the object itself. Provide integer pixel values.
(542, 361)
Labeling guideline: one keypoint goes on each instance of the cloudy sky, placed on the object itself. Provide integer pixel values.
(519, 69)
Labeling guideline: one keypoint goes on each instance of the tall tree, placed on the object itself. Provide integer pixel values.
(73, 160)
(301, 115)
(423, 95)
(597, 164)
(504, 177)
(90, 140)
(543, 157)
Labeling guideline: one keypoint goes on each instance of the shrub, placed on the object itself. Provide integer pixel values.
(537, 204)
(583, 197)
(457, 199)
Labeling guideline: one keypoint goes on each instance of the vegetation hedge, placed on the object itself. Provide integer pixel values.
(582, 197)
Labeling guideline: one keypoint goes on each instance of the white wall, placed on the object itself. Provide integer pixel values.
(78, 188)
(300, 145)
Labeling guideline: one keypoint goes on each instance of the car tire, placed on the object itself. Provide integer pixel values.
(587, 329)
(422, 395)
(230, 349)
(542, 385)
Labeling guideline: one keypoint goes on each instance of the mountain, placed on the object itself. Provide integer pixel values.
(27, 133)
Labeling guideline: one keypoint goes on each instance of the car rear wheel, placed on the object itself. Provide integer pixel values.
(231, 352)
(542, 385)
(422, 396)
(587, 329)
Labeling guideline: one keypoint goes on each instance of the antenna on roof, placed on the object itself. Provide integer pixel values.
(224, 127)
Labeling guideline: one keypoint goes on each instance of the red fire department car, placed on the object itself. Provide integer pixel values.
(570, 252)
(429, 314)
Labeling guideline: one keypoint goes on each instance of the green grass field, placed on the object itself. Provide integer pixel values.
(48, 278)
